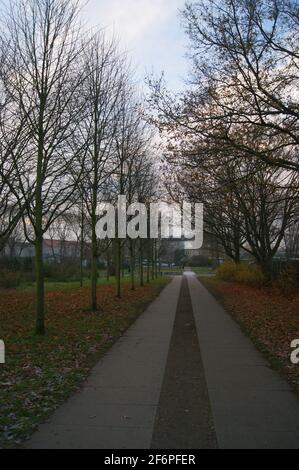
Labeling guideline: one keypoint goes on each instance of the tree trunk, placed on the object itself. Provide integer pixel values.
(39, 261)
(156, 259)
(237, 250)
(132, 264)
(94, 269)
(122, 265)
(40, 287)
(81, 264)
(141, 264)
(160, 267)
(82, 248)
(108, 265)
(148, 267)
(153, 258)
(267, 269)
(118, 268)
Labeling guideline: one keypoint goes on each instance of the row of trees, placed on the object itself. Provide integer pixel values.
(71, 133)
(232, 137)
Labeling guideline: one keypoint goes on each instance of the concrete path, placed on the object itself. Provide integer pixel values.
(253, 408)
(117, 406)
(183, 376)
(184, 419)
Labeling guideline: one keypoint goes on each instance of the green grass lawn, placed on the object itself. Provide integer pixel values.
(70, 285)
(203, 271)
(175, 269)
(51, 286)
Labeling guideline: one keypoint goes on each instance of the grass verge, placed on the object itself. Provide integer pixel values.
(41, 372)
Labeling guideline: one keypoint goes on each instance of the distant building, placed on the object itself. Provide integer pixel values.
(211, 249)
(53, 250)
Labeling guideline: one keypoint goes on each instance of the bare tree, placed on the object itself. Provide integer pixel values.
(135, 170)
(43, 48)
(139, 183)
(106, 75)
(126, 151)
(268, 203)
(60, 230)
(243, 81)
(13, 143)
(291, 240)
(249, 205)
(245, 59)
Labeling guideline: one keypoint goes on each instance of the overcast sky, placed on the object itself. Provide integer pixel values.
(150, 30)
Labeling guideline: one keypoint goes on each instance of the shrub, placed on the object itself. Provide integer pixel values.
(10, 264)
(9, 279)
(248, 274)
(62, 272)
(227, 271)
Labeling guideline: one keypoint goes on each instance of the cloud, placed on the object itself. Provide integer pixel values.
(132, 19)
(149, 29)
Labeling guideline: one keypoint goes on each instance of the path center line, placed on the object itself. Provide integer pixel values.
(184, 419)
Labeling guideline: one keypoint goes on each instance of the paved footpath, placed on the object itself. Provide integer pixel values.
(183, 376)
